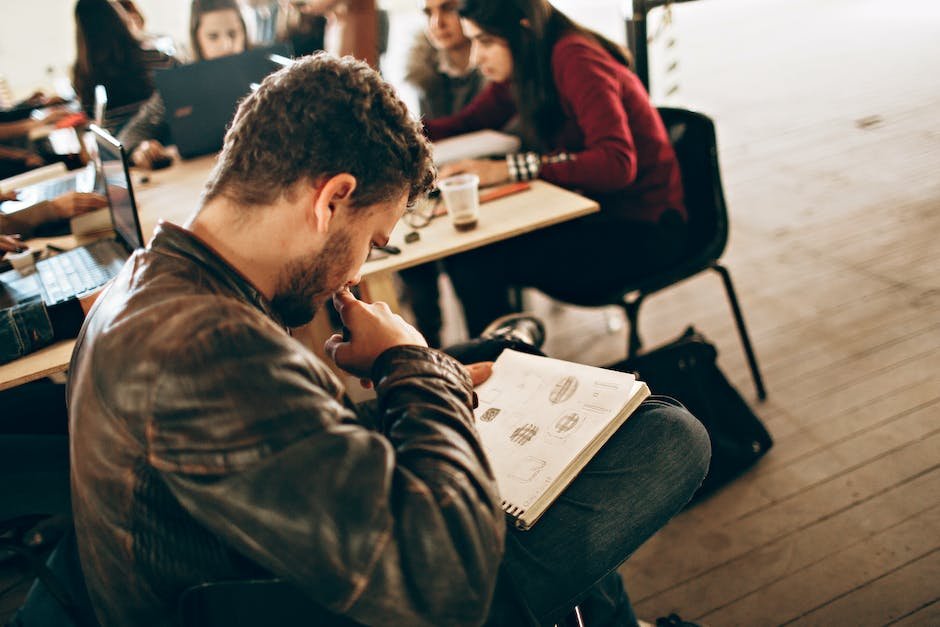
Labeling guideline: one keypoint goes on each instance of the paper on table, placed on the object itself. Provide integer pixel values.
(474, 146)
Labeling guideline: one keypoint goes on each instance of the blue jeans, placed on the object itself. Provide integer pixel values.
(640, 479)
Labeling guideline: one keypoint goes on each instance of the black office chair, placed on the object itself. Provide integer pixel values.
(693, 137)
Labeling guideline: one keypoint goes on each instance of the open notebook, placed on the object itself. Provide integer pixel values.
(541, 421)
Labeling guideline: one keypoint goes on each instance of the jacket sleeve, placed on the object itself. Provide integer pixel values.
(398, 528)
(24, 328)
(26, 221)
(592, 94)
(148, 123)
(492, 108)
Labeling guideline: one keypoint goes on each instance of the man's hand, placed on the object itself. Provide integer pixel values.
(77, 203)
(10, 244)
(148, 152)
(373, 329)
(479, 372)
(490, 172)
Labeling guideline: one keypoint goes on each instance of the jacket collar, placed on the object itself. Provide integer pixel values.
(174, 240)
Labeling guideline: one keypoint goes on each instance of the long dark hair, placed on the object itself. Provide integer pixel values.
(107, 54)
(200, 8)
(532, 28)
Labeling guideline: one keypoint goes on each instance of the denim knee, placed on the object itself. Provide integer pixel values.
(684, 444)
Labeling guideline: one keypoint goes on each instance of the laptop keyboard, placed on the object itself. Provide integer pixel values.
(79, 271)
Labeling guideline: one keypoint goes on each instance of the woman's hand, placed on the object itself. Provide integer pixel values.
(148, 152)
(10, 244)
(77, 203)
(490, 172)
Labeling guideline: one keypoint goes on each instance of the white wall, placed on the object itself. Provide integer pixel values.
(38, 34)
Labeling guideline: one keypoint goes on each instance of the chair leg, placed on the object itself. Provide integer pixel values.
(575, 619)
(631, 308)
(742, 330)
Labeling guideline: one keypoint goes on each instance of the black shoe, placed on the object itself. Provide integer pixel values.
(520, 327)
(674, 620)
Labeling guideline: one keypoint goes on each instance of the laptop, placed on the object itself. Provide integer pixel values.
(201, 98)
(71, 274)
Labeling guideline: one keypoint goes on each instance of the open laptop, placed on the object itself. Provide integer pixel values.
(201, 98)
(76, 272)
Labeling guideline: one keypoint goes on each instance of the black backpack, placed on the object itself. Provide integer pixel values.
(686, 370)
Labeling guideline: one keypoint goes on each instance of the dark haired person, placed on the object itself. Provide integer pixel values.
(439, 69)
(210, 445)
(108, 53)
(216, 29)
(589, 126)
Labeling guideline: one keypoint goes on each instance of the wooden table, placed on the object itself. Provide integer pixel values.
(173, 194)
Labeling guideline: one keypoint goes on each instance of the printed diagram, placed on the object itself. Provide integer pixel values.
(565, 425)
(564, 389)
(527, 469)
(602, 389)
(490, 414)
(523, 433)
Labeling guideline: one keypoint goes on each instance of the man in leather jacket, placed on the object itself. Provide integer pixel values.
(208, 444)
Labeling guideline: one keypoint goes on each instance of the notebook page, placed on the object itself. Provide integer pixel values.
(536, 414)
(474, 146)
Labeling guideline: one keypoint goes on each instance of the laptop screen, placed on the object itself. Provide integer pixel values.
(114, 171)
(201, 98)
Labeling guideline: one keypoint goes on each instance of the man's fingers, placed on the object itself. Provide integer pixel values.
(343, 299)
(480, 372)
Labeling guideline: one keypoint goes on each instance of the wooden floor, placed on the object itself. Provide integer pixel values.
(829, 134)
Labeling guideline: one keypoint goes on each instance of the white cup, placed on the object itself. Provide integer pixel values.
(22, 262)
(462, 199)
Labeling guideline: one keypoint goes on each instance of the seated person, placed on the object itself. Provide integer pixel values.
(16, 153)
(590, 126)
(208, 444)
(439, 68)
(108, 53)
(216, 30)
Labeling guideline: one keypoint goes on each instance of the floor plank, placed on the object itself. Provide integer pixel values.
(826, 581)
(883, 600)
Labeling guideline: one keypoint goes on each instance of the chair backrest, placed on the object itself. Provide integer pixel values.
(693, 137)
(250, 603)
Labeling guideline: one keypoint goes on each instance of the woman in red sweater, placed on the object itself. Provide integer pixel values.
(589, 126)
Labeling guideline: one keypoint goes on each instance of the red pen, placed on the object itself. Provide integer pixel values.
(503, 190)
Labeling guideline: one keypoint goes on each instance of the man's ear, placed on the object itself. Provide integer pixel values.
(331, 194)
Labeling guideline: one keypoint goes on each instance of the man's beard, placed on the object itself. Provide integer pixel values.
(306, 283)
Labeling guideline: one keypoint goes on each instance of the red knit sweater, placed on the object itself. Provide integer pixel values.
(620, 152)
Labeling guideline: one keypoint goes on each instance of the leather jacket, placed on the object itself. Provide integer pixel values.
(207, 444)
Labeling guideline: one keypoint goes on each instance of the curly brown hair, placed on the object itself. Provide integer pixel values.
(314, 119)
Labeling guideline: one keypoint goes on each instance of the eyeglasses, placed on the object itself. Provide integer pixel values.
(422, 212)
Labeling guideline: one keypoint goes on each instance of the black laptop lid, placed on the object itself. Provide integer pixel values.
(201, 98)
(114, 170)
